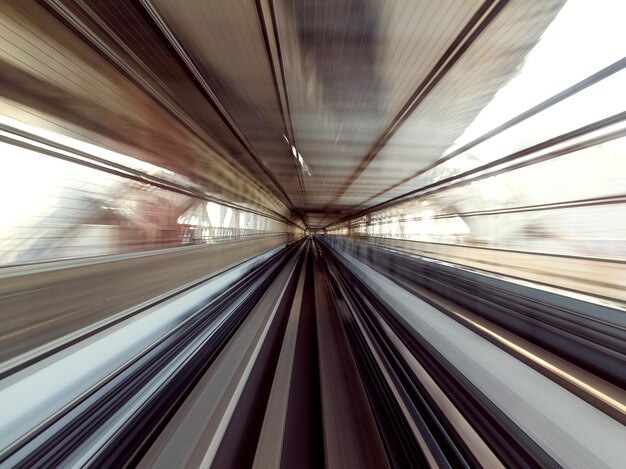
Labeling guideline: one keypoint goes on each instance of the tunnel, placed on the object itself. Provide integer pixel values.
(312, 234)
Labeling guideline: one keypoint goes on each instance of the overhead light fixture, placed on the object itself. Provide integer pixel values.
(297, 156)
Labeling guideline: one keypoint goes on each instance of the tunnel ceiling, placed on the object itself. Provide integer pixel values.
(326, 107)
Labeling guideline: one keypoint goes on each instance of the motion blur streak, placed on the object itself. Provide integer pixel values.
(586, 387)
(298, 234)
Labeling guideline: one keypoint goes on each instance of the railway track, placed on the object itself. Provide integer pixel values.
(314, 358)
